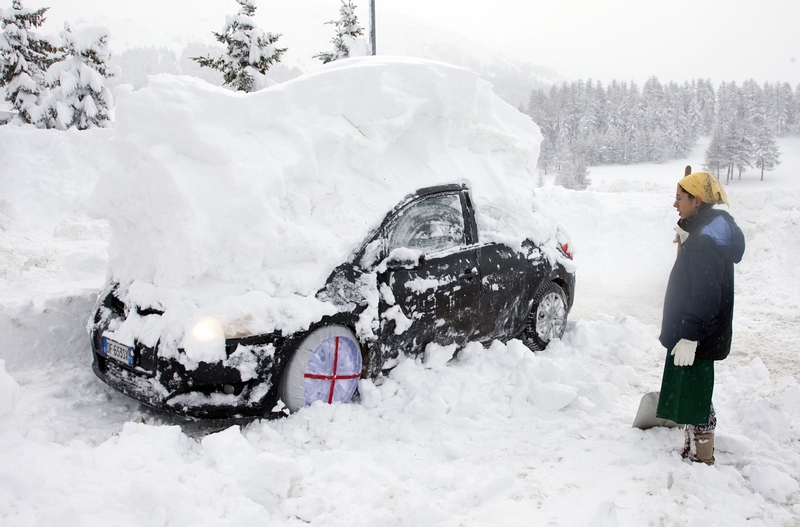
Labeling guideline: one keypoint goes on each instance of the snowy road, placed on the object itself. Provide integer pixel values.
(498, 436)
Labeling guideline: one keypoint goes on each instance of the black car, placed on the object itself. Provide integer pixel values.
(423, 276)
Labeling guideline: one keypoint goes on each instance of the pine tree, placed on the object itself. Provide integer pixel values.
(78, 94)
(347, 33)
(705, 101)
(250, 52)
(681, 120)
(574, 174)
(546, 154)
(620, 123)
(797, 103)
(24, 56)
(713, 159)
(740, 147)
(787, 105)
(765, 149)
(727, 103)
(751, 102)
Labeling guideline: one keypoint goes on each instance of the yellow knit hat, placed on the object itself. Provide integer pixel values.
(705, 186)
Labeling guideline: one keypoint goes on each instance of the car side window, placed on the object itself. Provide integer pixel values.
(430, 225)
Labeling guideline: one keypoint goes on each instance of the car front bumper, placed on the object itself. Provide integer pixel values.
(245, 384)
(210, 391)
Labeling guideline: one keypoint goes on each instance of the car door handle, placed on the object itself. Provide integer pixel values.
(468, 274)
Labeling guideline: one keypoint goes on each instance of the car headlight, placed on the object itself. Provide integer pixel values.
(207, 329)
(205, 340)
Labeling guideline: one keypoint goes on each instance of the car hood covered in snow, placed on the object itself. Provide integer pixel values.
(239, 205)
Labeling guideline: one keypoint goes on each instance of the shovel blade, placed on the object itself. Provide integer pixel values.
(646, 415)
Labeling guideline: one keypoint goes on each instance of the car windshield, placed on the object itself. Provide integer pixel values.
(430, 225)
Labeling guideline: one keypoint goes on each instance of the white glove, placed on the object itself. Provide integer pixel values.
(684, 352)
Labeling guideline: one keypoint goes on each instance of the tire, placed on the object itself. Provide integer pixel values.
(547, 319)
(325, 366)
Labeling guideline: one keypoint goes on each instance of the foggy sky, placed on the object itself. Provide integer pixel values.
(633, 39)
(675, 40)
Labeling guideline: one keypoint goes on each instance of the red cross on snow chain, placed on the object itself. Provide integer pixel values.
(333, 377)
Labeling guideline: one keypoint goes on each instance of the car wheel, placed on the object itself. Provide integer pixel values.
(548, 317)
(325, 366)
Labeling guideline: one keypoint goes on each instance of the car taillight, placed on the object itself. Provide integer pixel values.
(566, 251)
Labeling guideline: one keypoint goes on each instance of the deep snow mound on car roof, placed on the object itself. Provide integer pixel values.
(271, 190)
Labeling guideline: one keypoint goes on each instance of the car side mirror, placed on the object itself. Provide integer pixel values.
(402, 258)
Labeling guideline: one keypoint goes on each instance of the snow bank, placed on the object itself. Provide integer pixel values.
(9, 395)
(47, 176)
(53, 257)
(495, 436)
(63, 314)
(248, 201)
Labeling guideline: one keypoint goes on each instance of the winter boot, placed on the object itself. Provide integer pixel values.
(698, 447)
(702, 451)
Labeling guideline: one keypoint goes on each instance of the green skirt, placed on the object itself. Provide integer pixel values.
(686, 392)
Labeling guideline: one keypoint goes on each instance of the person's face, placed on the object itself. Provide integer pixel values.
(686, 206)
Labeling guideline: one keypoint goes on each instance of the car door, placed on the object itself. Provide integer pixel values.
(509, 279)
(429, 284)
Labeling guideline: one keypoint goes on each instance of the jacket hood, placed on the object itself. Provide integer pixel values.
(720, 226)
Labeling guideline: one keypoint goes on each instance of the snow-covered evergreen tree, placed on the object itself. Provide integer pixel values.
(714, 159)
(24, 57)
(765, 149)
(785, 108)
(705, 102)
(797, 105)
(78, 93)
(740, 148)
(751, 102)
(347, 39)
(620, 123)
(681, 119)
(250, 51)
(574, 174)
(653, 107)
(546, 155)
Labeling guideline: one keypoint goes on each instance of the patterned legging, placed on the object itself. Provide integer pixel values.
(709, 426)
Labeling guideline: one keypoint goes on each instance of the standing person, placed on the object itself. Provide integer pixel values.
(696, 327)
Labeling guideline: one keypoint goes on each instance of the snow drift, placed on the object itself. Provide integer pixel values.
(246, 202)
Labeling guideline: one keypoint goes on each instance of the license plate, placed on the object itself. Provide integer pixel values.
(118, 352)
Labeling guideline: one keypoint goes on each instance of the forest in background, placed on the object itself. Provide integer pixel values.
(587, 124)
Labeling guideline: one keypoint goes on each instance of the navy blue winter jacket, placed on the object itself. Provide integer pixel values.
(699, 301)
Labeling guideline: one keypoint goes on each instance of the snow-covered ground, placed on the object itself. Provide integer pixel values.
(497, 436)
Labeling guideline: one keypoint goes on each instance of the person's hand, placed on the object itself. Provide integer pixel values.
(684, 352)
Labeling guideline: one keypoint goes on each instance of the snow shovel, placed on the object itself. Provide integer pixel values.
(646, 415)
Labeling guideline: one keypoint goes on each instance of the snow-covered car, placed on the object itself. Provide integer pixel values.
(270, 250)
(438, 283)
